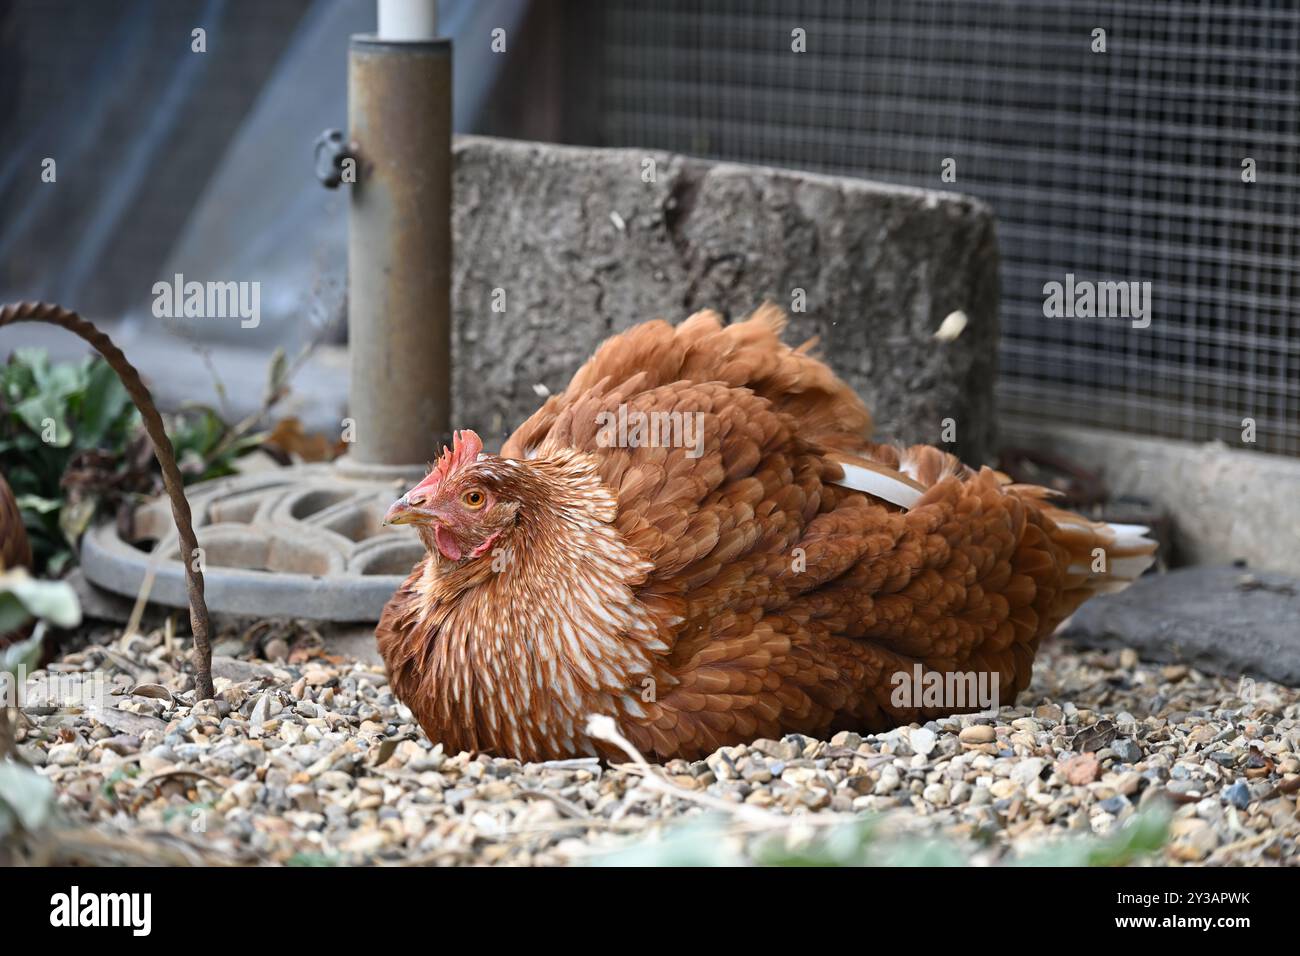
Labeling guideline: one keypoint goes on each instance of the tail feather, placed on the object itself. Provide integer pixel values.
(1104, 557)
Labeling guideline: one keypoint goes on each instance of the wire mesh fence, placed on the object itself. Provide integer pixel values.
(1127, 165)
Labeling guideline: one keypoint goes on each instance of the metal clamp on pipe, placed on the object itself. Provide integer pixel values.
(332, 153)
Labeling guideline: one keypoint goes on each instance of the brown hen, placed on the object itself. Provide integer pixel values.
(698, 539)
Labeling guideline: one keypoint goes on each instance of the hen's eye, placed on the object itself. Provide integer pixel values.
(473, 499)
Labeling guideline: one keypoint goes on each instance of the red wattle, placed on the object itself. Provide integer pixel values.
(447, 543)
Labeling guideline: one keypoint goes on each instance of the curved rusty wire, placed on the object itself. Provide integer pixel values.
(162, 449)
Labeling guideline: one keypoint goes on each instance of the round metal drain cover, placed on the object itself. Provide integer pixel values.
(292, 542)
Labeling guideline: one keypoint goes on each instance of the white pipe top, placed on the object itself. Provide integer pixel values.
(407, 20)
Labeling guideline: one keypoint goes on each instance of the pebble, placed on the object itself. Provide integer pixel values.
(63, 755)
(1028, 770)
(121, 744)
(936, 794)
(977, 734)
(1004, 789)
(923, 741)
(1194, 839)
(1126, 750)
(1238, 795)
(455, 797)
(1081, 769)
(1129, 783)
(888, 781)
(1114, 805)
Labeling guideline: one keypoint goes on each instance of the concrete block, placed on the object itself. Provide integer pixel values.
(578, 244)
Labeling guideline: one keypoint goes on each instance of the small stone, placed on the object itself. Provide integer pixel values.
(800, 776)
(936, 794)
(1126, 750)
(1238, 795)
(1049, 712)
(1114, 805)
(888, 781)
(334, 780)
(1129, 783)
(206, 708)
(1081, 769)
(1027, 771)
(64, 755)
(455, 797)
(923, 741)
(846, 738)
(977, 734)
(32, 755)
(1193, 839)
(1003, 789)
(121, 744)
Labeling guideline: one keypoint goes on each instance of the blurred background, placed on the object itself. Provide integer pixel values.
(1129, 168)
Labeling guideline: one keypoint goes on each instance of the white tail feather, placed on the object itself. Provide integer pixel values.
(894, 490)
(1121, 569)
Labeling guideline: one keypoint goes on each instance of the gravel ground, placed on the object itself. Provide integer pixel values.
(307, 758)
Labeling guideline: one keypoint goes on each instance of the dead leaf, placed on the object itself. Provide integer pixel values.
(1094, 738)
(289, 438)
(154, 691)
(386, 748)
(123, 721)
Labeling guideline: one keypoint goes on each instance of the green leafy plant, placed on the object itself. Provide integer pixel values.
(27, 798)
(72, 448)
(715, 840)
(22, 598)
(50, 413)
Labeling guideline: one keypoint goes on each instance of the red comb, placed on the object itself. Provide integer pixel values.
(465, 448)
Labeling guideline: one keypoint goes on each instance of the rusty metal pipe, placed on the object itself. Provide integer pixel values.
(399, 250)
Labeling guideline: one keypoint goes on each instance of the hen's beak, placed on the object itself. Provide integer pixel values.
(402, 511)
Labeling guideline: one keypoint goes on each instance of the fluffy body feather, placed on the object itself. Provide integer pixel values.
(773, 578)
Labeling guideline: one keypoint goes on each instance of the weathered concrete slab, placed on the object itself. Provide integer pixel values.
(1223, 620)
(580, 245)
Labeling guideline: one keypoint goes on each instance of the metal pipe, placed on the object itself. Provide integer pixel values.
(399, 247)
